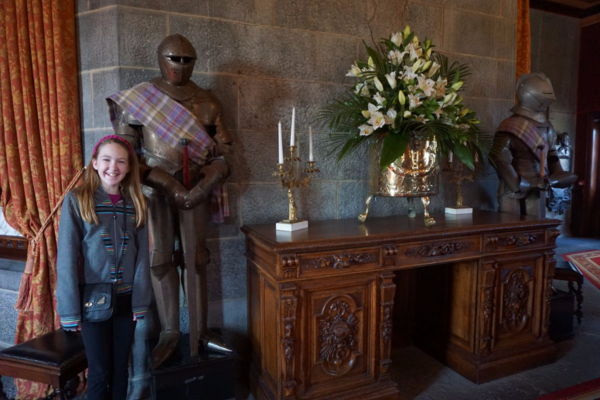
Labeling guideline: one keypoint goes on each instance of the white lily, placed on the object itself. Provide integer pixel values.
(371, 109)
(396, 38)
(440, 87)
(379, 98)
(414, 101)
(378, 84)
(408, 74)
(390, 116)
(438, 113)
(391, 78)
(396, 56)
(362, 89)
(365, 130)
(407, 114)
(421, 118)
(354, 71)
(426, 85)
(377, 120)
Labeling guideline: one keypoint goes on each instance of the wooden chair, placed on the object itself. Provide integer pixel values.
(567, 271)
(53, 358)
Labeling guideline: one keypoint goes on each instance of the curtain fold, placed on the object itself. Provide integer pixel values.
(40, 145)
(523, 38)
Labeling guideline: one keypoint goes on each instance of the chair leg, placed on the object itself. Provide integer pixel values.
(579, 296)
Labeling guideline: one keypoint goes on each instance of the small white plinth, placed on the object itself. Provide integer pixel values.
(459, 210)
(291, 226)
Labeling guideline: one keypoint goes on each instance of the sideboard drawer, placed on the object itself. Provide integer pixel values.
(315, 263)
(507, 242)
(428, 252)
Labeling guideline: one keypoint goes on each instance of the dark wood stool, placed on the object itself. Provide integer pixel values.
(567, 271)
(53, 358)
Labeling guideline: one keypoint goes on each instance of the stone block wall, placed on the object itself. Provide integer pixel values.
(263, 57)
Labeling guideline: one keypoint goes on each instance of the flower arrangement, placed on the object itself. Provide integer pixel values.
(404, 88)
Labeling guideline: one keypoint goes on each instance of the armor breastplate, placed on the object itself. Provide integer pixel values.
(158, 153)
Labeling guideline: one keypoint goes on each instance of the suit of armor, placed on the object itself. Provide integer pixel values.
(162, 173)
(517, 157)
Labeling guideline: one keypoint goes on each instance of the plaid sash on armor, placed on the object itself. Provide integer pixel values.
(527, 132)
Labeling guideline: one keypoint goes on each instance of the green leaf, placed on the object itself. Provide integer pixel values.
(393, 147)
(464, 154)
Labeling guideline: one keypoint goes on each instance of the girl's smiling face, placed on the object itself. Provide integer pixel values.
(112, 165)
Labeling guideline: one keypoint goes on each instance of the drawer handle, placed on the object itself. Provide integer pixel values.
(438, 249)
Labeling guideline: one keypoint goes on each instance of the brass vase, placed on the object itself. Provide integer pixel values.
(414, 174)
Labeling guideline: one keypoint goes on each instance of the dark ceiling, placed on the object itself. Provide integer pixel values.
(573, 8)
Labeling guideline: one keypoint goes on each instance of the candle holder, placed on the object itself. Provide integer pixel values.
(457, 176)
(289, 181)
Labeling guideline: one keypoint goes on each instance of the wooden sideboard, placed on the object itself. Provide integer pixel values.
(321, 300)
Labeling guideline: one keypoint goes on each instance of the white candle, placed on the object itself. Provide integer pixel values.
(280, 145)
(450, 156)
(310, 146)
(292, 141)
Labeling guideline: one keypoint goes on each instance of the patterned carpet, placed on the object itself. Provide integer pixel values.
(584, 391)
(588, 262)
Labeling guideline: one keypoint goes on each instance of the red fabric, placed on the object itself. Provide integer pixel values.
(40, 149)
(523, 39)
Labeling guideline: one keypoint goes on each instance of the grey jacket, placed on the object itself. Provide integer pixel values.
(89, 253)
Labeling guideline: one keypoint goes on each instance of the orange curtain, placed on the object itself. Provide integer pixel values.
(523, 38)
(40, 146)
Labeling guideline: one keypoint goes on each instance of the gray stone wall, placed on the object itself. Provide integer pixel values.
(261, 58)
(555, 52)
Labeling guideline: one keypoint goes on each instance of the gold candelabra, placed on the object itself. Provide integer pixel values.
(289, 181)
(457, 176)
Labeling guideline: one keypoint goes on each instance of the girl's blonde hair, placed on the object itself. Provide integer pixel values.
(131, 186)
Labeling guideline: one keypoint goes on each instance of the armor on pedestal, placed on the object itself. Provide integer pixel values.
(162, 170)
(523, 151)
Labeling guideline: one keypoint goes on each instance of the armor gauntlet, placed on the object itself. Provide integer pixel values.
(169, 186)
(211, 175)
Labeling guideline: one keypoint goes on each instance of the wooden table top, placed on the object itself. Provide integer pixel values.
(342, 232)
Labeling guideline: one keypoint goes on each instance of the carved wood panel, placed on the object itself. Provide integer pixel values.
(487, 305)
(288, 307)
(341, 333)
(518, 314)
(387, 292)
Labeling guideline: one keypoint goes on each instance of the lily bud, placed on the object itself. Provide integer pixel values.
(457, 85)
(401, 97)
(416, 65)
(378, 84)
(406, 31)
(426, 66)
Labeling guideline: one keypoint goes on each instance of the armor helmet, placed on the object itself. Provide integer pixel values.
(535, 92)
(176, 58)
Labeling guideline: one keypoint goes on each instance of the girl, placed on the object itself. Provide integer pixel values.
(103, 238)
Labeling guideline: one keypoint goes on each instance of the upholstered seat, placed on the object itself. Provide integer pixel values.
(53, 358)
(567, 271)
